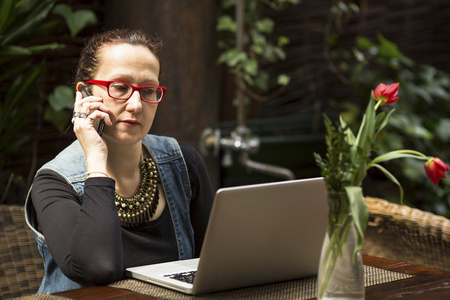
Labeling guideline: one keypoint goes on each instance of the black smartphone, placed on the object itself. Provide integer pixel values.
(101, 124)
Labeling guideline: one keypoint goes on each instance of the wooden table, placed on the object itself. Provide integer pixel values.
(426, 283)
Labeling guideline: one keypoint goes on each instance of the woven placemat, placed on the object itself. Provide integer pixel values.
(304, 288)
(40, 297)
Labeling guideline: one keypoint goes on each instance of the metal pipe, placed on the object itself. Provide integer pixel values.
(240, 47)
(240, 142)
(266, 168)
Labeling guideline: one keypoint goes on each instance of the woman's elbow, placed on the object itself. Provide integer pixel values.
(104, 272)
(101, 271)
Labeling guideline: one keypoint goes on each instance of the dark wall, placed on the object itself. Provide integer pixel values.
(189, 68)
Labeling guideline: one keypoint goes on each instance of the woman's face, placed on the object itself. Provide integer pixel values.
(136, 65)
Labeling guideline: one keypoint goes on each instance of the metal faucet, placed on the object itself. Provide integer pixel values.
(241, 141)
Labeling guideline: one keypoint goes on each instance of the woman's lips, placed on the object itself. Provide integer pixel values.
(130, 122)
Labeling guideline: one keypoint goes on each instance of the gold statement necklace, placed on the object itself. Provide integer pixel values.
(140, 207)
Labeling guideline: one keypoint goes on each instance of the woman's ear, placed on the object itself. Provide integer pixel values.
(79, 85)
(83, 89)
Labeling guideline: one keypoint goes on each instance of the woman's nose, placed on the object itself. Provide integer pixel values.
(134, 104)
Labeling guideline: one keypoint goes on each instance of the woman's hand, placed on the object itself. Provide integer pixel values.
(87, 111)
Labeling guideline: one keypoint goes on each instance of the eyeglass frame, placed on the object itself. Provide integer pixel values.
(106, 84)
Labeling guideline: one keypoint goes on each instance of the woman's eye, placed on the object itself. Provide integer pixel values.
(120, 87)
(148, 90)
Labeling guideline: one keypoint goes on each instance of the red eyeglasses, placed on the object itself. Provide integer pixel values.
(122, 91)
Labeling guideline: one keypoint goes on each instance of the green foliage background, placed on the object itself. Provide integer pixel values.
(23, 63)
(24, 26)
(421, 120)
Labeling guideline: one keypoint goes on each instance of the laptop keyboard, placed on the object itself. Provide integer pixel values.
(184, 276)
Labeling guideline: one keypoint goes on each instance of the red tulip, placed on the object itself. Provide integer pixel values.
(435, 169)
(386, 93)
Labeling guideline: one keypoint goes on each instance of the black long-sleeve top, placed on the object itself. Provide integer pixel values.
(86, 240)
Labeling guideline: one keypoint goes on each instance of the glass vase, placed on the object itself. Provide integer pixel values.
(341, 272)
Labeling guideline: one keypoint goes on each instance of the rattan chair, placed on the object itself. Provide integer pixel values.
(407, 234)
(21, 266)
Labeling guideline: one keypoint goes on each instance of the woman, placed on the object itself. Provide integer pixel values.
(124, 198)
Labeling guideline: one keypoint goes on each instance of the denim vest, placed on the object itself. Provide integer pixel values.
(71, 164)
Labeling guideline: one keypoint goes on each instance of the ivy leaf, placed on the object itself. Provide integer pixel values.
(258, 49)
(77, 20)
(59, 119)
(258, 38)
(226, 23)
(388, 49)
(261, 80)
(265, 25)
(61, 98)
(283, 79)
(364, 43)
(283, 41)
(232, 57)
(251, 66)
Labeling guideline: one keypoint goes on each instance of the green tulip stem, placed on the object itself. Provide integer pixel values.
(339, 225)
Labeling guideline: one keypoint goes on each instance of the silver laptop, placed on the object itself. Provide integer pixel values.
(256, 234)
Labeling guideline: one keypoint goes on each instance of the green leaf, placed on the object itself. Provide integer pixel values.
(359, 55)
(250, 66)
(359, 211)
(18, 93)
(258, 38)
(387, 48)
(258, 49)
(261, 80)
(383, 120)
(59, 119)
(62, 97)
(228, 3)
(63, 10)
(31, 24)
(283, 41)
(364, 43)
(391, 178)
(279, 53)
(248, 79)
(232, 57)
(14, 51)
(265, 25)
(7, 13)
(348, 132)
(27, 7)
(226, 23)
(443, 130)
(77, 20)
(51, 46)
(11, 143)
(283, 79)
(12, 71)
(366, 132)
(398, 154)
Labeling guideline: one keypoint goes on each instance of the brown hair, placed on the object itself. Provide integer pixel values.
(88, 62)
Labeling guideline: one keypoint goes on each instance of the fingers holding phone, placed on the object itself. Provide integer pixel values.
(99, 124)
(91, 108)
(86, 113)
